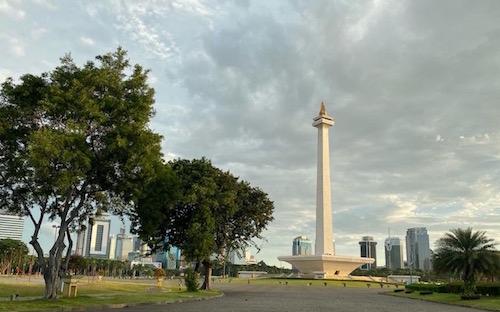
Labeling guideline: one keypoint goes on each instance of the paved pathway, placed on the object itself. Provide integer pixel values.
(301, 298)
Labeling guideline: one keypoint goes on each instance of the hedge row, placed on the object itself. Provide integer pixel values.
(490, 289)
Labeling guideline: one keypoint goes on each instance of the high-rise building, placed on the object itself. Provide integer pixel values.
(170, 259)
(393, 253)
(80, 242)
(97, 237)
(368, 249)
(124, 245)
(11, 226)
(242, 257)
(137, 243)
(112, 247)
(301, 246)
(418, 253)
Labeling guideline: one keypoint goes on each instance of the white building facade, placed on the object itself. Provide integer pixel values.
(94, 241)
(11, 226)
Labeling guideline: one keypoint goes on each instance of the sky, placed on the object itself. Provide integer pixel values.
(414, 87)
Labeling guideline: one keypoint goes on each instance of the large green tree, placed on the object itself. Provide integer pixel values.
(466, 253)
(208, 212)
(12, 251)
(75, 142)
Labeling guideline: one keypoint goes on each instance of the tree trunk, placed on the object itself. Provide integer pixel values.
(469, 282)
(52, 269)
(208, 275)
(63, 271)
(51, 278)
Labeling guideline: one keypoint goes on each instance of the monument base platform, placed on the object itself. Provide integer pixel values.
(326, 266)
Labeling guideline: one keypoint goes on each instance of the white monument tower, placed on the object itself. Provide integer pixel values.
(324, 233)
(324, 263)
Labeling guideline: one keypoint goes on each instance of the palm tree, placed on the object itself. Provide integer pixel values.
(466, 253)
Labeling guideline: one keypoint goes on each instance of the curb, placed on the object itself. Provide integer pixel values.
(136, 304)
(438, 302)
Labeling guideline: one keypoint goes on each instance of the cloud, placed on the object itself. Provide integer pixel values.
(133, 20)
(14, 45)
(7, 8)
(87, 41)
(38, 32)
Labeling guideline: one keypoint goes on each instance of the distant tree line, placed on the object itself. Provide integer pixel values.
(13, 256)
(232, 269)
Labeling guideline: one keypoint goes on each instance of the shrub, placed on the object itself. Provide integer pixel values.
(470, 297)
(191, 280)
(426, 292)
(439, 288)
(491, 289)
(482, 288)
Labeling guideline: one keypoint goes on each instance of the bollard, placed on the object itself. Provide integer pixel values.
(325, 283)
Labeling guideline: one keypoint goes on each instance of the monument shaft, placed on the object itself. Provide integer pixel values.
(324, 263)
(324, 232)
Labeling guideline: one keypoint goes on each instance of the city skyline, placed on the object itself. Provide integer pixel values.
(416, 141)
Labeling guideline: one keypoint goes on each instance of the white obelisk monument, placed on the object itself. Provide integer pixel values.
(324, 233)
(324, 263)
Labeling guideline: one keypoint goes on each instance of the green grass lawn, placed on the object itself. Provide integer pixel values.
(92, 294)
(487, 303)
(308, 282)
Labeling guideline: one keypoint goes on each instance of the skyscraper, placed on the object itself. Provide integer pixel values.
(80, 243)
(242, 256)
(301, 246)
(368, 249)
(112, 247)
(97, 237)
(124, 245)
(11, 226)
(393, 253)
(418, 253)
(170, 259)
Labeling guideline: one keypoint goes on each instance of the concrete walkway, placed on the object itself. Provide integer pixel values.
(301, 298)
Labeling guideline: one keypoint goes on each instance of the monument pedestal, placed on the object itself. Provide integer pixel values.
(325, 266)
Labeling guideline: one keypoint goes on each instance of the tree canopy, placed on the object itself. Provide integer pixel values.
(75, 142)
(208, 212)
